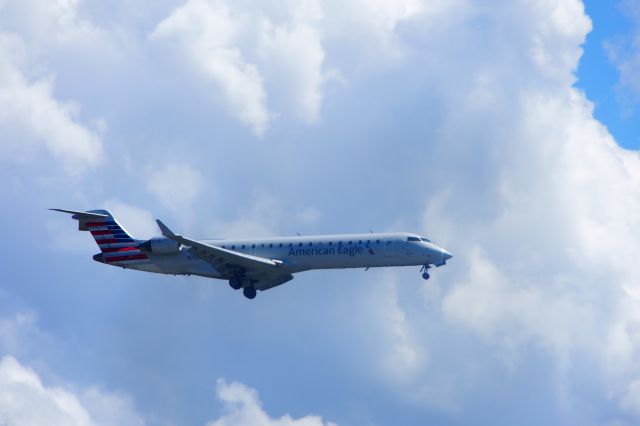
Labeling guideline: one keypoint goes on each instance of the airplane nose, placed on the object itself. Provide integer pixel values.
(446, 255)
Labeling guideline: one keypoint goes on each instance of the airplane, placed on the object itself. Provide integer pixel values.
(254, 264)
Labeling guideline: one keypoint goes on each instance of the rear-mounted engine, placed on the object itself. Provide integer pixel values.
(160, 245)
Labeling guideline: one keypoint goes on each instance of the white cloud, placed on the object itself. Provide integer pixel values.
(13, 329)
(275, 50)
(545, 259)
(294, 55)
(631, 398)
(47, 23)
(139, 222)
(379, 19)
(24, 397)
(401, 356)
(262, 218)
(527, 190)
(207, 31)
(25, 400)
(31, 117)
(243, 407)
(507, 310)
(177, 186)
(264, 215)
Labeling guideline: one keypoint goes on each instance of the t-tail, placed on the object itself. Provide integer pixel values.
(117, 246)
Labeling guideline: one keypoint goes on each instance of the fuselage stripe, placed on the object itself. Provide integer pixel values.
(121, 258)
(118, 249)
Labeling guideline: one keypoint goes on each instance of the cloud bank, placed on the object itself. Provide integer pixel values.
(450, 118)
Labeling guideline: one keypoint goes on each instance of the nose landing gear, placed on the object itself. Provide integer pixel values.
(425, 271)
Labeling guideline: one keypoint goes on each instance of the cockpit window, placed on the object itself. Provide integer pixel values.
(426, 240)
(413, 239)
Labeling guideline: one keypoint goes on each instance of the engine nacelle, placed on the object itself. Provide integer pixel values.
(160, 245)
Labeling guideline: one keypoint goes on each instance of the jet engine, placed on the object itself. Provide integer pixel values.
(160, 245)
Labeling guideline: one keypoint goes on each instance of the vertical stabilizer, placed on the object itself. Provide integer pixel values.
(118, 247)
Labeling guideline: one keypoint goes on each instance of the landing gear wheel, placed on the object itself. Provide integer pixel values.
(425, 272)
(235, 283)
(249, 292)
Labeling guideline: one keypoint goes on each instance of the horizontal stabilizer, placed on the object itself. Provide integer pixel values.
(87, 215)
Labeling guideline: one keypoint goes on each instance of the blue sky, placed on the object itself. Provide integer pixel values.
(484, 127)
(598, 75)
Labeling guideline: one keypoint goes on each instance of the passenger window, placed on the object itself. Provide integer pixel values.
(243, 246)
(368, 241)
(270, 245)
(360, 242)
(233, 247)
(377, 241)
(339, 243)
(253, 246)
(330, 243)
(299, 244)
(290, 244)
(310, 244)
(223, 247)
(350, 242)
(280, 244)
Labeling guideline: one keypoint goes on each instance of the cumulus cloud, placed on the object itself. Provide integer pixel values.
(49, 23)
(14, 329)
(31, 117)
(264, 214)
(529, 192)
(403, 357)
(243, 407)
(269, 60)
(206, 31)
(293, 54)
(26, 400)
(380, 18)
(139, 222)
(176, 186)
(544, 260)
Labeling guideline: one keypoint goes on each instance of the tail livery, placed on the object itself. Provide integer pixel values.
(117, 246)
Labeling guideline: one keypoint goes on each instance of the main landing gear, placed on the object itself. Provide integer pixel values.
(425, 271)
(235, 283)
(249, 290)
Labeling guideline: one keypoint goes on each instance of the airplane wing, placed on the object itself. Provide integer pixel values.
(266, 272)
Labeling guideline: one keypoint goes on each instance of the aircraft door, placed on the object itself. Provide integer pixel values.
(389, 247)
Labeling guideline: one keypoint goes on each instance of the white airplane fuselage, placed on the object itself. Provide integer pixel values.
(304, 253)
(255, 264)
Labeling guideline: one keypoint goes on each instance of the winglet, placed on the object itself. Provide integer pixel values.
(165, 230)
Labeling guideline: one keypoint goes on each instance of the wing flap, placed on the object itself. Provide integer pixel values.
(271, 282)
